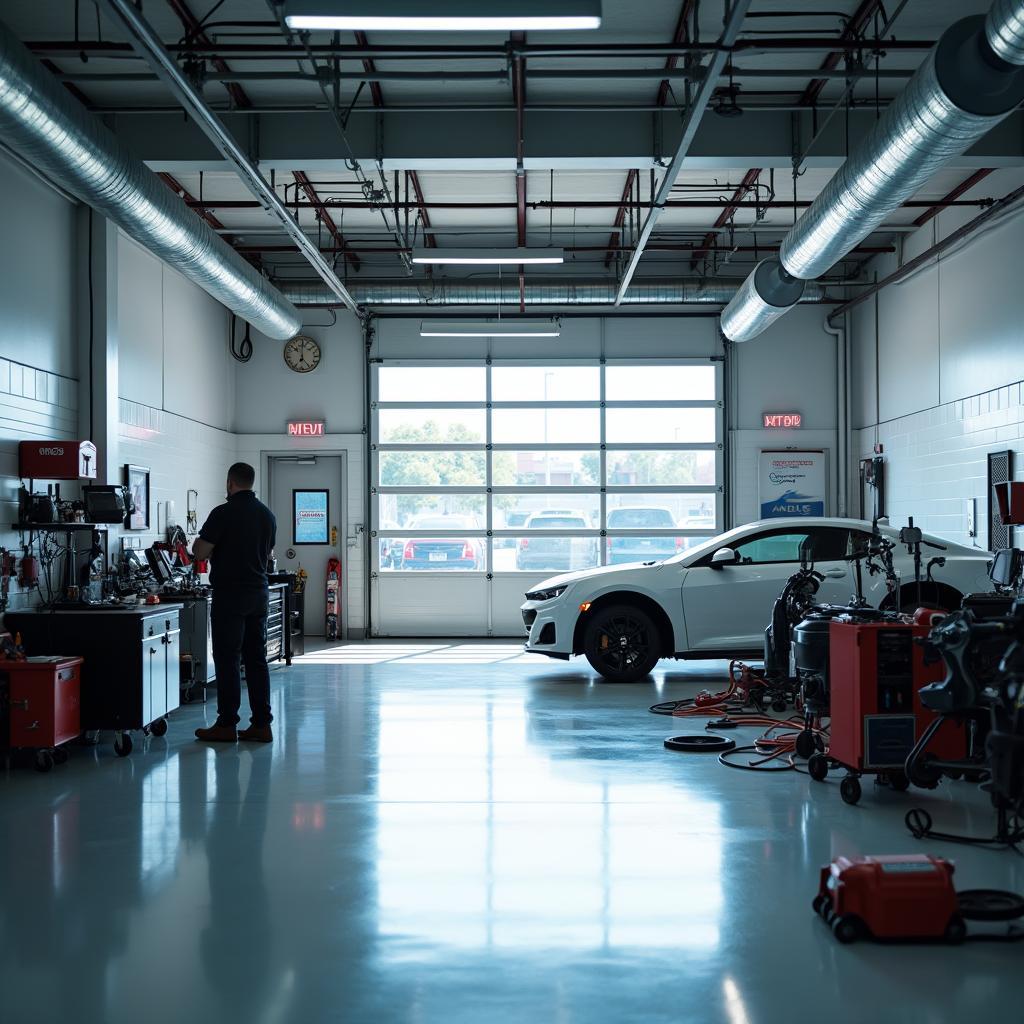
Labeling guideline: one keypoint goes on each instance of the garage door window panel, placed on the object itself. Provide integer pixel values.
(546, 384)
(435, 383)
(432, 426)
(658, 424)
(426, 468)
(547, 425)
(660, 383)
(652, 468)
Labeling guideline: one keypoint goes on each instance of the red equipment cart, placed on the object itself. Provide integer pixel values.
(44, 696)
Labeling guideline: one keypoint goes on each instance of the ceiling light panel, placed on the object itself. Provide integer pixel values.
(485, 329)
(488, 257)
(443, 15)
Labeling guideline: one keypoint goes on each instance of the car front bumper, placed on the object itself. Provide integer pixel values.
(549, 628)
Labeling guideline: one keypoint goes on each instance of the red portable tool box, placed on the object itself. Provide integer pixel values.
(45, 701)
(57, 460)
(876, 672)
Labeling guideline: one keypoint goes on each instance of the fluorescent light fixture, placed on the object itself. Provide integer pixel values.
(488, 257)
(443, 15)
(495, 329)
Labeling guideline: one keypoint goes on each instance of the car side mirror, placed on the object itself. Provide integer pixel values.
(723, 557)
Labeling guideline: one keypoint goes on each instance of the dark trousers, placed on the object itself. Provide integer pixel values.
(239, 627)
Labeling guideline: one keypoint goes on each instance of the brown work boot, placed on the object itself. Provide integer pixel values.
(257, 734)
(217, 734)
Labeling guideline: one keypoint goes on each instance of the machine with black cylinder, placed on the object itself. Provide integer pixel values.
(972, 688)
(859, 667)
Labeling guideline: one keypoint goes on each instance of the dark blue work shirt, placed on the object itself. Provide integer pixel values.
(243, 532)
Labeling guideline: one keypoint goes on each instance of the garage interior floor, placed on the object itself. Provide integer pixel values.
(457, 832)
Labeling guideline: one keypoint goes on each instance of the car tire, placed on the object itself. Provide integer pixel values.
(622, 643)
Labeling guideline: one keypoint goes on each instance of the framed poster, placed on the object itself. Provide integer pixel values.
(310, 512)
(136, 479)
(792, 483)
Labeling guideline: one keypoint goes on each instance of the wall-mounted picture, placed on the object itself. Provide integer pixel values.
(310, 511)
(136, 479)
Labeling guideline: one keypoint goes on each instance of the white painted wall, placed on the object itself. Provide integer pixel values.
(945, 348)
(268, 394)
(37, 273)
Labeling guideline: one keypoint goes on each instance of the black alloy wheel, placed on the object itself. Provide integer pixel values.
(622, 643)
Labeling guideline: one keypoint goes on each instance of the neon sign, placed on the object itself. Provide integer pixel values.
(305, 428)
(783, 420)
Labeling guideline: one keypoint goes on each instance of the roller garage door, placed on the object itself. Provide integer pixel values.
(490, 477)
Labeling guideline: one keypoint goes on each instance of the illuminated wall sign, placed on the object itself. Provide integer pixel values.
(305, 428)
(783, 420)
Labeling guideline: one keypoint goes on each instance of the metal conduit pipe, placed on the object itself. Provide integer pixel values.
(46, 126)
(655, 292)
(967, 84)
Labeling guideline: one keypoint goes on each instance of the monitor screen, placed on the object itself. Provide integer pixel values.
(160, 563)
(1006, 567)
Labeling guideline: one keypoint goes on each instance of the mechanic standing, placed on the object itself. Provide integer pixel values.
(238, 538)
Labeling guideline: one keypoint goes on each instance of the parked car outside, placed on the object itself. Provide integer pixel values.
(444, 553)
(638, 548)
(390, 547)
(540, 552)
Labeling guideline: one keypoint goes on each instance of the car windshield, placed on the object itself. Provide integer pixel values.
(445, 523)
(640, 518)
(557, 523)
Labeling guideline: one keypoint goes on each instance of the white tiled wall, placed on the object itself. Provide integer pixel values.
(34, 404)
(181, 454)
(937, 459)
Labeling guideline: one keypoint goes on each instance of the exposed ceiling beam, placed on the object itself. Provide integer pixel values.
(859, 20)
(147, 43)
(965, 186)
(681, 35)
(519, 99)
(302, 180)
(377, 95)
(728, 211)
(194, 31)
(697, 104)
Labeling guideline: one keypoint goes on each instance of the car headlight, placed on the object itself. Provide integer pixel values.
(546, 595)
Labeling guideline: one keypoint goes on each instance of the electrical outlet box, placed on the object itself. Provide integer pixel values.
(971, 515)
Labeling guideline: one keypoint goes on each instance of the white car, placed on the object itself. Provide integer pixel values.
(715, 600)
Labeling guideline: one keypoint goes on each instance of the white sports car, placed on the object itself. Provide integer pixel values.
(715, 600)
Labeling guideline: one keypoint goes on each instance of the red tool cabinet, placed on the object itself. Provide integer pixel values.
(876, 673)
(44, 696)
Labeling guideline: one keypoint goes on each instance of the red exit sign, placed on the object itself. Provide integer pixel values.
(783, 420)
(305, 429)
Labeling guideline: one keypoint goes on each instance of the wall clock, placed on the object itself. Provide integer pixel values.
(302, 354)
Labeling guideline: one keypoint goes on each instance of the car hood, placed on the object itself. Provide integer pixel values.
(589, 574)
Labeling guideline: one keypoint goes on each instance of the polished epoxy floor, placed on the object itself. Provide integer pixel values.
(460, 833)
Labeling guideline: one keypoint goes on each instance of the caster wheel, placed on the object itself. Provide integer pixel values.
(846, 928)
(778, 706)
(849, 790)
(60, 756)
(924, 776)
(817, 767)
(44, 761)
(899, 781)
(159, 727)
(956, 931)
(123, 745)
(819, 904)
(805, 744)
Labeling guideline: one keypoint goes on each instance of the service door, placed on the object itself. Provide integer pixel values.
(306, 496)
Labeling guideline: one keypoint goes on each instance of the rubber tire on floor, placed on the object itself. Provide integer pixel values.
(924, 776)
(898, 780)
(123, 745)
(591, 638)
(819, 903)
(700, 743)
(990, 905)
(159, 727)
(817, 767)
(847, 928)
(805, 746)
(850, 790)
(43, 761)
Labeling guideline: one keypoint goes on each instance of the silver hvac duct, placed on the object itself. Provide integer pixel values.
(967, 84)
(44, 124)
(715, 291)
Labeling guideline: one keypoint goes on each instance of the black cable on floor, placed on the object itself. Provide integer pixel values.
(752, 749)
(919, 823)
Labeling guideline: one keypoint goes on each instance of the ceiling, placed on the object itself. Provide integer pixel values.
(437, 157)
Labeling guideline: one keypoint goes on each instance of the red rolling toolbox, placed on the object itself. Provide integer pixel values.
(44, 696)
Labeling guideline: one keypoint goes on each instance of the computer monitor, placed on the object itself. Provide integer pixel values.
(160, 565)
(1006, 567)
